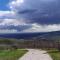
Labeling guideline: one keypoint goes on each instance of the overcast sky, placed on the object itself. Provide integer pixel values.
(19, 16)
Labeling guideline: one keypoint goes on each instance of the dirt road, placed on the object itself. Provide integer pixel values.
(34, 54)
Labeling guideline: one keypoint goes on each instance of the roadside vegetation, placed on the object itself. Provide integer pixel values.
(54, 53)
(11, 55)
(10, 48)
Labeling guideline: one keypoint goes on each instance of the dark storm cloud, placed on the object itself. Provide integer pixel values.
(31, 16)
(41, 11)
(27, 11)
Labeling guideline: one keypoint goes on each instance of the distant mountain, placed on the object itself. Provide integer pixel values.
(47, 35)
(52, 35)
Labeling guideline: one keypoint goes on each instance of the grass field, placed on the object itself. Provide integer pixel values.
(11, 55)
(54, 53)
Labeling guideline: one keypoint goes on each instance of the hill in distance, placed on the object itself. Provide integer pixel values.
(47, 35)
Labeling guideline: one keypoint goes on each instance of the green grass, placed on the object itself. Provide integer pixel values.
(55, 54)
(11, 55)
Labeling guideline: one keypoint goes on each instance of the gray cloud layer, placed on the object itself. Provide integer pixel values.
(31, 16)
(40, 11)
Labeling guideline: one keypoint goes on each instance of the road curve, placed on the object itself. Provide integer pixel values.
(35, 54)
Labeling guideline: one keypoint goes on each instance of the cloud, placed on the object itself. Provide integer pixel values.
(37, 11)
(31, 16)
(8, 31)
(7, 14)
(15, 4)
(19, 26)
(42, 28)
(13, 24)
(27, 11)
